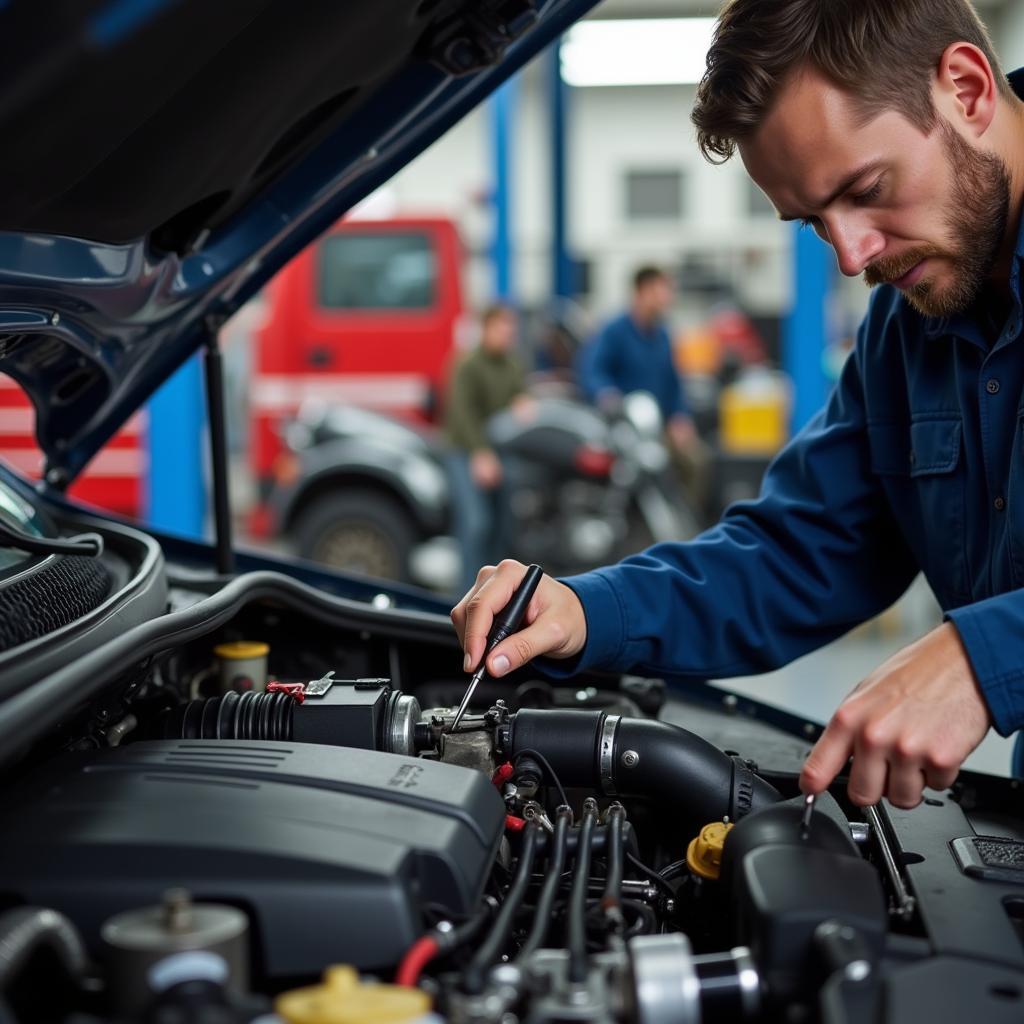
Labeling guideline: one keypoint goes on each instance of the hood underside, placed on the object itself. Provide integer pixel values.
(172, 155)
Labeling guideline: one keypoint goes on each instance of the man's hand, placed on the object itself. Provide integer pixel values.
(485, 469)
(910, 724)
(555, 623)
(524, 408)
(682, 432)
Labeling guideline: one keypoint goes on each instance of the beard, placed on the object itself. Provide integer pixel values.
(976, 218)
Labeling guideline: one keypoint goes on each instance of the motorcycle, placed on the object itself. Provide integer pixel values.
(369, 494)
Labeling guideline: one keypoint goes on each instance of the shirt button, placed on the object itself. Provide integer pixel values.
(1000, 504)
(992, 386)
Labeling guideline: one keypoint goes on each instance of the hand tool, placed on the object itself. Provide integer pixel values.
(507, 621)
(805, 820)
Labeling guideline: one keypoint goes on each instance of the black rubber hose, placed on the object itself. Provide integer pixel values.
(233, 716)
(549, 891)
(578, 898)
(492, 946)
(670, 759)
(687, 775)
(26, 930)
(611, 901)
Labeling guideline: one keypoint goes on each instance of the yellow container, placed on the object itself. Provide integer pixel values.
(754, 415)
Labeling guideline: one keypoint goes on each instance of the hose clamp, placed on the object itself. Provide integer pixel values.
(606, 752)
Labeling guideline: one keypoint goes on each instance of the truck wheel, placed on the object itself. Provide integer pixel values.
(360, 532)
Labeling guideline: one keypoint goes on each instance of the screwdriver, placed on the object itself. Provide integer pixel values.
(507, 621)
(805, 820)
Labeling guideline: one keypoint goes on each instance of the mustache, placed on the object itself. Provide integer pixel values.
(891, 268)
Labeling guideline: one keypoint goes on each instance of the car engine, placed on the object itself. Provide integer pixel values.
(242, 800)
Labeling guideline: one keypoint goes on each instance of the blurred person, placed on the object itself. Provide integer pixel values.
(633, 352)
(483, 382)
(889, 130)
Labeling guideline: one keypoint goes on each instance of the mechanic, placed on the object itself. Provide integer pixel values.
(633, 352)
(888, 128)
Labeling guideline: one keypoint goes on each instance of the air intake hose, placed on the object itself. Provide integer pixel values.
(641, 757)
(234, 716)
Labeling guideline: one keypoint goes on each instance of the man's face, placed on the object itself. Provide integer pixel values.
(499, 333)
(927, 213)
(654, 297)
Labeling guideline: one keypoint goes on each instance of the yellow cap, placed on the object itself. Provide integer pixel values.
(704, 854)
(237, 650)
(344, 999)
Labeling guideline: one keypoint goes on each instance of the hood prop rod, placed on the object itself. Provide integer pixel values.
(214, 367)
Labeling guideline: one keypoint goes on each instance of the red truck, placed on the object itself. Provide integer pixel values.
(367, 316)
(113, 480)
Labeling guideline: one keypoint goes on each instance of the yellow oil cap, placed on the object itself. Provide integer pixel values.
(344, 999)
(704, 854)
(240, 649)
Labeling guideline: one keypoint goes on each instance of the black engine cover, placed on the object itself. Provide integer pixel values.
(331, 851)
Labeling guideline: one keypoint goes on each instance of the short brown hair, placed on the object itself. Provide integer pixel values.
(643, 276)
(496, 310)
(883, 52)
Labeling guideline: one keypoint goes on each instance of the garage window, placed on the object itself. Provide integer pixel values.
(654, 194)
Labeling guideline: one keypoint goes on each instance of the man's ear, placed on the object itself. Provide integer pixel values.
(965, 90)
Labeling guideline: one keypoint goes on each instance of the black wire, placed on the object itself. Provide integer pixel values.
(548, 894)
(612, 898)
(463, 933)
(492, 946)
(652, 875)
(578, 900)
(674, 870)
(546, 765)
(646, 922)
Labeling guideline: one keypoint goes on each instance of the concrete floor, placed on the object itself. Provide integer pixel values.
(814, 685)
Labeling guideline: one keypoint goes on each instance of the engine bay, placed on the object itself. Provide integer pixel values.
(251, 805)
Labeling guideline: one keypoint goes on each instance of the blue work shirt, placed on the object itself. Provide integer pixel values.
(915, 464)
(625, 357)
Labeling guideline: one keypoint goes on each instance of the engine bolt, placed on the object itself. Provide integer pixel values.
(630, 758)
(177, 910)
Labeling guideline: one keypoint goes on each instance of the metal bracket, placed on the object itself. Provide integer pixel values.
(475, 36)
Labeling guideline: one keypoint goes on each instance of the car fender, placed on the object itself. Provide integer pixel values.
(419, 482)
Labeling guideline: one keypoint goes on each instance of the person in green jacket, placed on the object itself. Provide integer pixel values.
(484, 381)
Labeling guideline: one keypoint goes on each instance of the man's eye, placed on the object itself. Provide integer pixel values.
(872, 193)
(808, 222)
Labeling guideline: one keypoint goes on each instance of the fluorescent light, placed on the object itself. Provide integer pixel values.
(637, 51)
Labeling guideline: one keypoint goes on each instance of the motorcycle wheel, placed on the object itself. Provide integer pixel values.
(358, 531)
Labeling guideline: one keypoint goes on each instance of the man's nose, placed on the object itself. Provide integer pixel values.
(856, 245)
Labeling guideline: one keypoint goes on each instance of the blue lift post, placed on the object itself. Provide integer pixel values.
(562, 283)
(175, 482)
(502, 110)
(806, 328)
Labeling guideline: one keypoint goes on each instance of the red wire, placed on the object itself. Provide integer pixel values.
(420, 953)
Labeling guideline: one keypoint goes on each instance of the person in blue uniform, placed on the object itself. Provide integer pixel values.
(633, 352)
(889, 130)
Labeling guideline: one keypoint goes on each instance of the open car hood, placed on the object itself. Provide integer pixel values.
(172, 155)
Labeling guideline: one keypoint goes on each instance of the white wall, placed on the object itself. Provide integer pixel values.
(1007, 33)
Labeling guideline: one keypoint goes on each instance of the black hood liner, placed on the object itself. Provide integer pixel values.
(189, 115)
